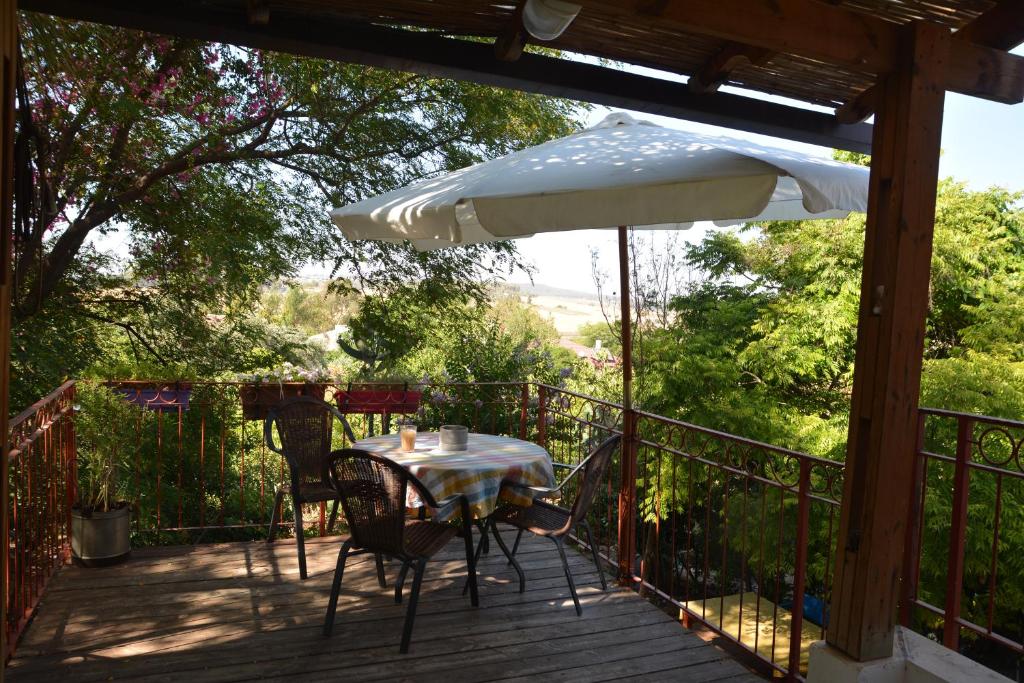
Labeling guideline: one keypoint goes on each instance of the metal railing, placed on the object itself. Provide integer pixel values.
(967, 496)
(40, 491)
(736, 534)
(201, 470)
(733, 534)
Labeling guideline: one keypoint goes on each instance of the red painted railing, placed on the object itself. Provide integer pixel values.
(41, 488)
(969, 483)
(201, 470)
(737, 535)
(733, 535)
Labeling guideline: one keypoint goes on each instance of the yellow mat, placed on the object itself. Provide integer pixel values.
(749, 620)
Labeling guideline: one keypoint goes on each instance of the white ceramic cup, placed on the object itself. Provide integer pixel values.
(453, 438)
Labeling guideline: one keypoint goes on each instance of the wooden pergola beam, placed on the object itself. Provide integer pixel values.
(860, 108)
(8, 60)
(829, 33)
(1001, 28)
(258, 11)
(433, 55)
(510, 44)
(801, 27)
(715, 72)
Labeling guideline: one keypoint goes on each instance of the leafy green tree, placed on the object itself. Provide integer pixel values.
(590, 333)
(215, 167)
(309, 308)
(764, 347)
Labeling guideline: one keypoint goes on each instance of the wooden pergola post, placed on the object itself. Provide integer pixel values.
(890, 342)
(9, 52)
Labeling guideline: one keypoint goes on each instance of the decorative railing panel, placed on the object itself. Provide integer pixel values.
(964, 560)
(201, 470)
(41, 489)
(738, 534)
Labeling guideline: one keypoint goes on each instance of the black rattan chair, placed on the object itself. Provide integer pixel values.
(305, 426)
(373, 493)
(554, 522)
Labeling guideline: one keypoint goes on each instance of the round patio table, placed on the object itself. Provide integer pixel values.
(477, 472)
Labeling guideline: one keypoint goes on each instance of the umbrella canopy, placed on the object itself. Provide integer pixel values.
(620, 172)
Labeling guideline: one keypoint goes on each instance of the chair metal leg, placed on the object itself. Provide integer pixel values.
(510, 556)
(410, 612)
(300, 538)
(593, 552)
(400, 581)
(275, 515)
(467, 533)
(339, 571)
(515, 546)
(334, 516)
(380, 571)
(568, 576)
(481, 524)
(476, 556)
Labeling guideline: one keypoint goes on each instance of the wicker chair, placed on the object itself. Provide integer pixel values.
(305, 425)
(373, 494)
(554, 522)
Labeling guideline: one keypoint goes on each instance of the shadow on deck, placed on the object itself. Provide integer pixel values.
(238, 611)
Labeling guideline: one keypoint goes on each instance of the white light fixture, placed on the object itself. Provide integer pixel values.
(548, 19)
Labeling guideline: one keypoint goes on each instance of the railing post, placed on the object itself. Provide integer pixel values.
(524, 405)
(803, 514)
(957, 533)
(542, 415)
(71, 462)
(627, 496)
(912, 545)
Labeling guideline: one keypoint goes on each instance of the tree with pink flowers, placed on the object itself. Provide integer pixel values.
(211, 169)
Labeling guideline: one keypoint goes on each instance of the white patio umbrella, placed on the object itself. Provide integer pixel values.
(622, 172)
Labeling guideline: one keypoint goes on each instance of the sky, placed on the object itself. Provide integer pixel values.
(982, 144)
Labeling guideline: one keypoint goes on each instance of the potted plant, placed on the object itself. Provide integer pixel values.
(100, 517)
(262, 390)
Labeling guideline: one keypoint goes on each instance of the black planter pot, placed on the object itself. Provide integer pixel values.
(99, 539)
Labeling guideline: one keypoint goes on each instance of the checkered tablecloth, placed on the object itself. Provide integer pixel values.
(478, 472)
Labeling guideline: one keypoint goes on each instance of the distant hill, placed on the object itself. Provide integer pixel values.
(566, 308)
(529, 289)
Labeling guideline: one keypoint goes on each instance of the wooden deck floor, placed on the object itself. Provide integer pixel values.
(238, 611)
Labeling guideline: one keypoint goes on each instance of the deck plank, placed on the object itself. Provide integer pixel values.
(238, 611)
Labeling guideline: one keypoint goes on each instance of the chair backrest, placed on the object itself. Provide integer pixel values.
(591, 477)
(373, 493)
(305, 425)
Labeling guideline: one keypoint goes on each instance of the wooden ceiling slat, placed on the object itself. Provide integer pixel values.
(1001, 27)
(851, 41)
(434, 55)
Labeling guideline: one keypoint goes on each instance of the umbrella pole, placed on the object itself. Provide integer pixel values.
(626, 323)
(626, 549)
